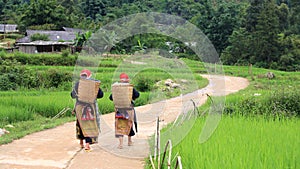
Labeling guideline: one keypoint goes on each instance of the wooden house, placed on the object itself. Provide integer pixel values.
(57, 41)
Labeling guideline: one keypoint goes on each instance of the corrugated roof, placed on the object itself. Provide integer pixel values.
(56, 36)
(37, 43)
(8, 28)
(73, 29)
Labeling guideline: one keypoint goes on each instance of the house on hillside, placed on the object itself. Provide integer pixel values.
(8, 28)
(56, 40)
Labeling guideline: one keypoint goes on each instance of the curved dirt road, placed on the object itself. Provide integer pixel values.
(58, 147)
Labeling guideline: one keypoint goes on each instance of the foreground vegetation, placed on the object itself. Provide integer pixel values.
(259, 127)
(241, 142)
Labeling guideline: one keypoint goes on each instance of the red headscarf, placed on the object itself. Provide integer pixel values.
(86, 72)
(124, 77)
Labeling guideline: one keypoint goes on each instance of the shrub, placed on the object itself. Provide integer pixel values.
(2, 53)
(65, 53)
(38, 36)
(6, 84)
(56, 78)
(13, 76)
(278, 103)
(41, 59)
(143, 83)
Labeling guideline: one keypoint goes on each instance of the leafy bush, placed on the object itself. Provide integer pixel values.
(2, 53)
(5, 83)
(14, 76)
(41, 59)
(143, 83)
(55, 78)
(65, 53)
(38, 36)
(279, 104)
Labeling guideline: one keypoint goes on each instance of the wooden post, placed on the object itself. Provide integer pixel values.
(178, 163)
(215, 68)
(158, 144)
(155, 140)
(250, 71)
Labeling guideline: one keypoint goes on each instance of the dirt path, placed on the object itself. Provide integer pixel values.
(58, 147)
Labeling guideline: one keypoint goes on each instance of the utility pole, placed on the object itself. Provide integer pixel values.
(4, 24)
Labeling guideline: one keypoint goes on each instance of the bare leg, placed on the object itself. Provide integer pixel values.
(120, 142)
(87, 146)
(81, 143)
(130, 143)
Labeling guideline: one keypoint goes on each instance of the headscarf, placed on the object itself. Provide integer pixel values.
(85, 73)
(124, 78)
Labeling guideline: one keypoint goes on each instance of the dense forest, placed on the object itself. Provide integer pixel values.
(264, 33)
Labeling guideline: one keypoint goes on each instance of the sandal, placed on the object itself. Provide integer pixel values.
(81, 146)
(87, 147)
(120, 147)
(130, 143)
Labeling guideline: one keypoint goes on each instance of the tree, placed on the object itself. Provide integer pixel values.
(41, 12)
(73, 11)
(94, 9)
(203, 17)
(225, 19)
(290, 55)
(219, 22)
(9, 10)
(265, 42)
(283, 14)
(253, 12)
(239, 50)
(295, 16)
(185, 9)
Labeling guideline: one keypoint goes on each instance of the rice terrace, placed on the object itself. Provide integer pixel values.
(259, 126)
(218, 83)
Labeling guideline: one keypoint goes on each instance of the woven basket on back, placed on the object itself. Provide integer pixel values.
(88, 90)
(122, 94)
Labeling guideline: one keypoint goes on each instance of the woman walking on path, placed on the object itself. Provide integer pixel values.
(123, 95)
(86, 91)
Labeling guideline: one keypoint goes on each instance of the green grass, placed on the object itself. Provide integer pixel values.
(242, 142)
(259, 128)
(20, 106)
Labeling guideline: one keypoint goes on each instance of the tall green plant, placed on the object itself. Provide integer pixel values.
(80, 39)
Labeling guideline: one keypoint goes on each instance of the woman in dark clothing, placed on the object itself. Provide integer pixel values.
(86, 113)
(135, 94)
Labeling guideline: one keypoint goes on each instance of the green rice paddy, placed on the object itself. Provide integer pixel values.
(241, 142)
